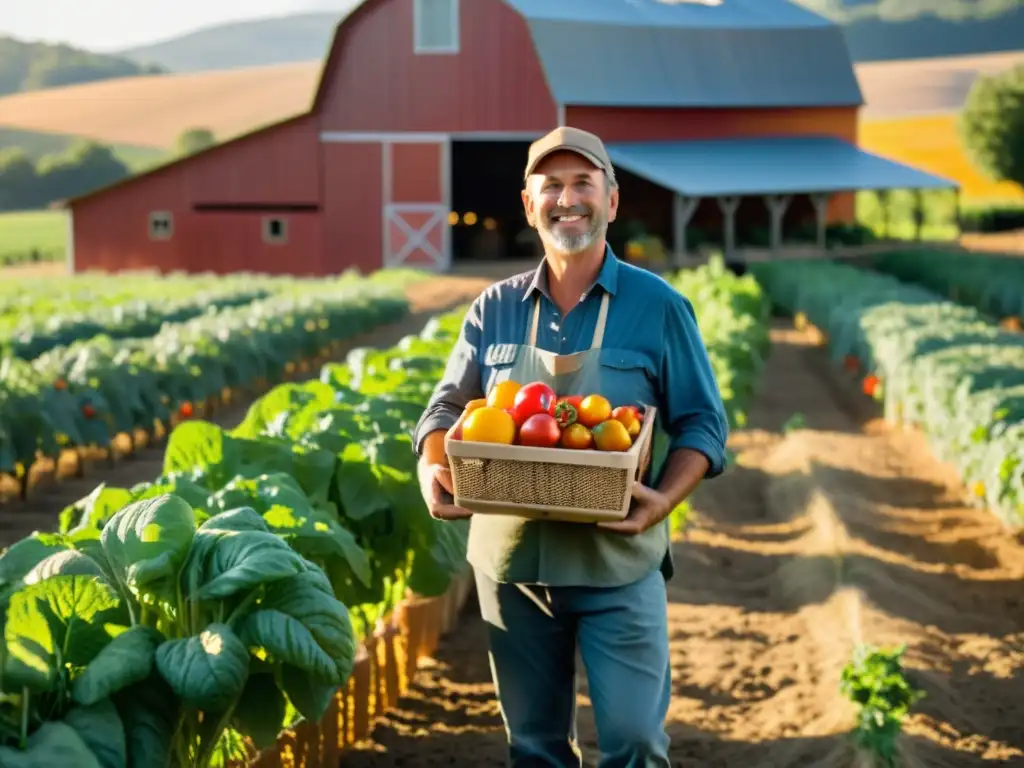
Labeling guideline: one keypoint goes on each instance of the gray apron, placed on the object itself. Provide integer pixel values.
(553, 553)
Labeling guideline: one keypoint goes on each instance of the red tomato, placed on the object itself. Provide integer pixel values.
(540, 431)
(536, 397)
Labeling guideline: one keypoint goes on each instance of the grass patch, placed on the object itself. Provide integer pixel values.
(37, 144)
(32, 236)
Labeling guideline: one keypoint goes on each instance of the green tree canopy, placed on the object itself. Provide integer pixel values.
(992, 124)
(193, 140)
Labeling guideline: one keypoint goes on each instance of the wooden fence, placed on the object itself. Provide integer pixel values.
(385, 663)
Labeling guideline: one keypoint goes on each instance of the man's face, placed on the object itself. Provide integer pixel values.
(569, 201)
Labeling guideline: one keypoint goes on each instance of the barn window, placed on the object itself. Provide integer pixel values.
(161, 225)
(436, 24)
(275, 230)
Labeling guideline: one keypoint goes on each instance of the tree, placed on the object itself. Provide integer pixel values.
(19, 186)
(992, 124)
(194, 140)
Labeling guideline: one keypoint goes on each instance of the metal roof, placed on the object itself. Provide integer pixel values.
(759, 166)
(683, 53)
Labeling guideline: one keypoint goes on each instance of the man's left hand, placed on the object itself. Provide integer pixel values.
(650, 507)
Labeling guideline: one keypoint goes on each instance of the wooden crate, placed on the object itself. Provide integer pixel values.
(548, 483)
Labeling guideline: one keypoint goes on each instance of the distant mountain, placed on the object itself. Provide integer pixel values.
(259, 42)
(876, 30)
(28, 66)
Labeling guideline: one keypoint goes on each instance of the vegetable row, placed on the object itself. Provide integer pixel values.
(85, 394)
(224, 599)
(993, 284)
(935, 364)
(184, 618)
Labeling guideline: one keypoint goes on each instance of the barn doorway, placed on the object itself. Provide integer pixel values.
(487, 220)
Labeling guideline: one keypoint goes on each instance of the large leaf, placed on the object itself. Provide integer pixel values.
(94, 510)
(309, 695)
(101, 729)
(25, 554)
(200, 444)
(63, 620)
(260, 711)
(242, 560)
(287, 640)
(147, 542)
(126, 660)
(307, 599)
(149, 711)
(53, 744)
(317, 535)
(207, 671)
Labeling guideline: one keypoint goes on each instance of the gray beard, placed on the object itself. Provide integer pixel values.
(572, 244)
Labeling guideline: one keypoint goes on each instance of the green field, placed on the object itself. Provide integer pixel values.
(37, 144)
(28, 236)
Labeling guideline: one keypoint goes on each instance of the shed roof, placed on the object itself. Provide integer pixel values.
(783, 165)
(688, 53)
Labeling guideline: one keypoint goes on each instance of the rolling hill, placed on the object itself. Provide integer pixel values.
(876, 30)
(30, 66)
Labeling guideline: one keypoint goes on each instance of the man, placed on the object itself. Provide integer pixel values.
(547, 589)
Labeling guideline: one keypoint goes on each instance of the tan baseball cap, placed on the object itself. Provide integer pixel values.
(569, 139)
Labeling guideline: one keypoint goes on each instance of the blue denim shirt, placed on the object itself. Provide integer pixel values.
(646, 315)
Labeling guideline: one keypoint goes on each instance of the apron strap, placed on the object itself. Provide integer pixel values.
(531, 336)
(602, 322)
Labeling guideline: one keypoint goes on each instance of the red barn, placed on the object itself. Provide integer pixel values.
(714, 111)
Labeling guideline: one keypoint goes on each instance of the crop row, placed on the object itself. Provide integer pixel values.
(37, 316)
(249, 571)
(933, 363)
(86, 394)
(992, 284)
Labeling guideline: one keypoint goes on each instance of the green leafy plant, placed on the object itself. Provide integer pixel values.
(874, 681)
(141, 645)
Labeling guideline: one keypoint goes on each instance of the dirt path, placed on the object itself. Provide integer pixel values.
(41, 512)
(838, 533)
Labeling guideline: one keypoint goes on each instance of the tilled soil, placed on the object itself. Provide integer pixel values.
(841, 532)
(41, 510)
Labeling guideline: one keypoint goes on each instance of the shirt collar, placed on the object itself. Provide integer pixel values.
(607, 278)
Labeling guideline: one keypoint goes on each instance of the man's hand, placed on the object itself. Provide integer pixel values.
(436, 484)
(649, 508)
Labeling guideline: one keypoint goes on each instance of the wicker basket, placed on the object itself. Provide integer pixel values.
(548, 483)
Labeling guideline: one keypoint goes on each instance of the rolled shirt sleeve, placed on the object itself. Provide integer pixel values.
(461, 381)
(695, 415)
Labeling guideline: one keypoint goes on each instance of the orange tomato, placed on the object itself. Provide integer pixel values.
(576, 437)
(489, 425)
(503, 395)
(611, 435)
(593, 410)
(627, 415)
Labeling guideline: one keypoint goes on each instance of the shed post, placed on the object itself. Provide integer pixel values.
(682, 211)
(728, 205)
(777, 205)
(820, 201)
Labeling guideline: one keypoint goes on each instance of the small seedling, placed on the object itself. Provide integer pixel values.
(875, 682)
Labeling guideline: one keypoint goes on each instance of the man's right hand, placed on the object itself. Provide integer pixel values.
(438, 493)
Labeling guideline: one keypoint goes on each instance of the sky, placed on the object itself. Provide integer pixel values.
(109, 25)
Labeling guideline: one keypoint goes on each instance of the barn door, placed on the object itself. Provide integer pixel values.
(416, 231)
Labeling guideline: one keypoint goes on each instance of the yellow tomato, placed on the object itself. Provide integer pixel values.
(612, 435)
(503, 395)
(489, 425)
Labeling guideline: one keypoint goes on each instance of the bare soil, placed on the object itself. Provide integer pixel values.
(41, 510)
(842, 532)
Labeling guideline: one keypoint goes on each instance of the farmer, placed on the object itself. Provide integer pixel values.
(548, 588)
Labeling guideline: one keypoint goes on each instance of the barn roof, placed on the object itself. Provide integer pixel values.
(781, 165)
(690, 53)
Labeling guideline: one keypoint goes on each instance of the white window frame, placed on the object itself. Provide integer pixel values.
(453, 47)
(154, 217)
(270, 239)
